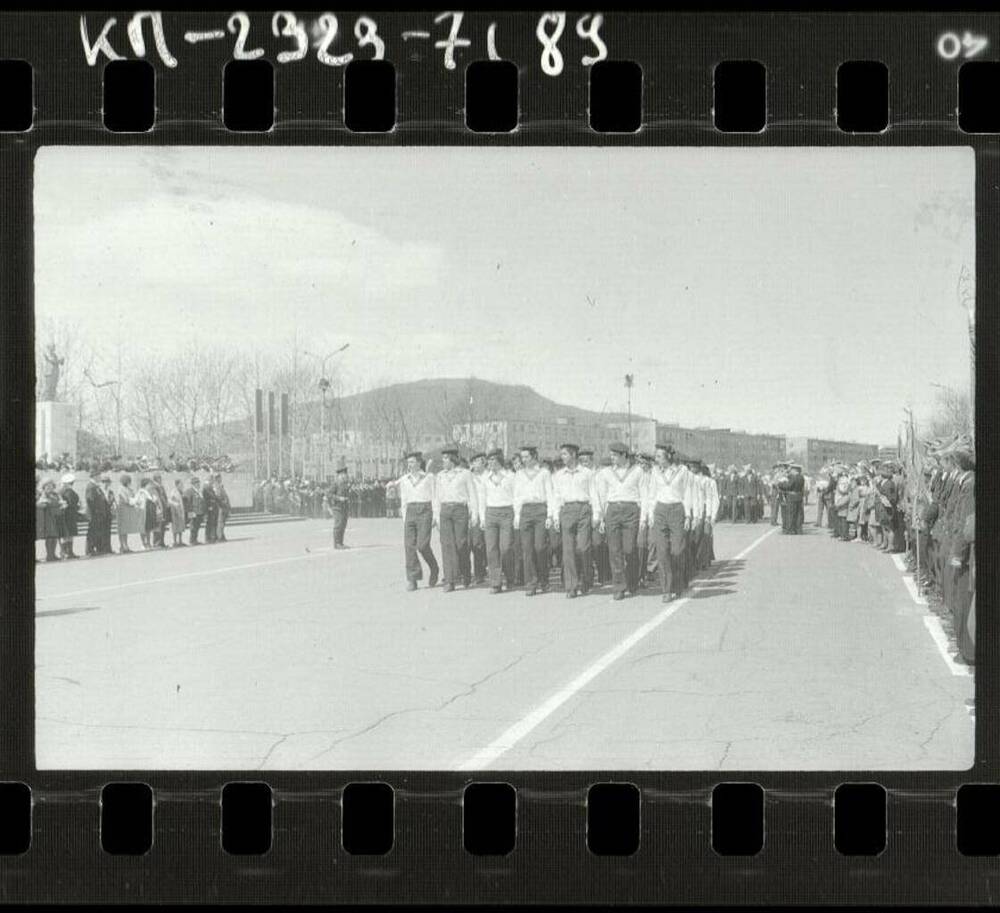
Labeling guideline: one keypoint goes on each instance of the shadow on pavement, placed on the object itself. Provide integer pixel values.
(73, 611)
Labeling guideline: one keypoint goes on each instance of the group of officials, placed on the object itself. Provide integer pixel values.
(515, 522)
(150, 510)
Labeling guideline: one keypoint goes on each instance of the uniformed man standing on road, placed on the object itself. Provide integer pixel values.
(577, 512)
(456, 509)
(793, 488)
(619, 489)
(416, 505)
(338, 499)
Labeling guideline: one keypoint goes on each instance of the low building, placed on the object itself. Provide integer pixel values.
(814, 453)
(724, 446)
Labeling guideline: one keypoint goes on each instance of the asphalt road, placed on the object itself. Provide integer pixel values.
(273, 651)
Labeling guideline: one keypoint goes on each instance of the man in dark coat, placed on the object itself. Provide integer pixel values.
(194, 505)
(793, 486)
(211, 500)
(99, 518)
(338, 500)
(160, 530)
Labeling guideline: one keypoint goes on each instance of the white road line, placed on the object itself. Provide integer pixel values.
(214, 570)
(899, 561)
(520, 729)
(911, 585)
(933, 624)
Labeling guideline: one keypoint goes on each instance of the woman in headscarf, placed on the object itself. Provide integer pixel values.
(125, 514)
(864, 506)
(178, 513)
(51, 508)
(147, 501)
(841, 500)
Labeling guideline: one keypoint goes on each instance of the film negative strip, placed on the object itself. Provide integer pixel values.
(341, 333)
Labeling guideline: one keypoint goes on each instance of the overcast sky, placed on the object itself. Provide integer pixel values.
(792, 291)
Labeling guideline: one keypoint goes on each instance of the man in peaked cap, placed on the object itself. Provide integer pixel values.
(416, 506)
(533, 506)
(496, 513)
(456, 509)
(620, 491)
(338, 499)
(793, 488)
(577, 511)
(477, 537)
(598, 541)
(669, 512)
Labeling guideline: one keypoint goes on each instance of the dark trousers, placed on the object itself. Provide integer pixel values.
(211, 523)
(535, 545)
(477, 544)
(454, 528)
(621, 529)
(93, 538)
(820, 504)
(774, 511)
(499, 542)
(514, 569)
(734, 501)
(339, 524)
(749, 509)
(792, 515)
(196, 522)
(575, 528)
(668, 529)
(417, 541)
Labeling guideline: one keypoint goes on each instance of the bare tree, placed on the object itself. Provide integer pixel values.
(952, 414)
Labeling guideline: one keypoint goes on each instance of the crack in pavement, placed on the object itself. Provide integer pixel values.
(725, 754)
(466, 692)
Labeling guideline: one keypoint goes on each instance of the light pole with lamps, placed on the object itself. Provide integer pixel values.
(324, 385)
(629, 379)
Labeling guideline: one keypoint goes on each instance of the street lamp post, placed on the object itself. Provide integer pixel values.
(324, 385)
(629, 379)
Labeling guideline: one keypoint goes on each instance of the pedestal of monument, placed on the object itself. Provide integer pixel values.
(55, 429)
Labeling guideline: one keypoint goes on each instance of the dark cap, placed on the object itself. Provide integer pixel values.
(530, 448)
(477, 456)
(415, 454)
(498, 453)
(617, 447)
(574, 447)
(666, 448)
(449, 451)
(586, 451)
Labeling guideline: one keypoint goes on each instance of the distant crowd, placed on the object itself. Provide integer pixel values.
(150, 510)
(367, 497)
(116, 463)
(927, 513)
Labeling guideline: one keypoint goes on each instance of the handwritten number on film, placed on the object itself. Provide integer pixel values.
(325, 29)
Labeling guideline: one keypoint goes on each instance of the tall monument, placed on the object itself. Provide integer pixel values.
(55, 422)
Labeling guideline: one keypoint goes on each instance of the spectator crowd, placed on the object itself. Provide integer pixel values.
(367, 497)
(204, 463)
(149, 509)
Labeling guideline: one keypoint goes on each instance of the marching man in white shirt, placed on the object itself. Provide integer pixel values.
(576, 512)
(706, 554)
(669, 510)
(496, 512)
(619, 488)
(533, 506)
(456, 508)
(416, 506)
